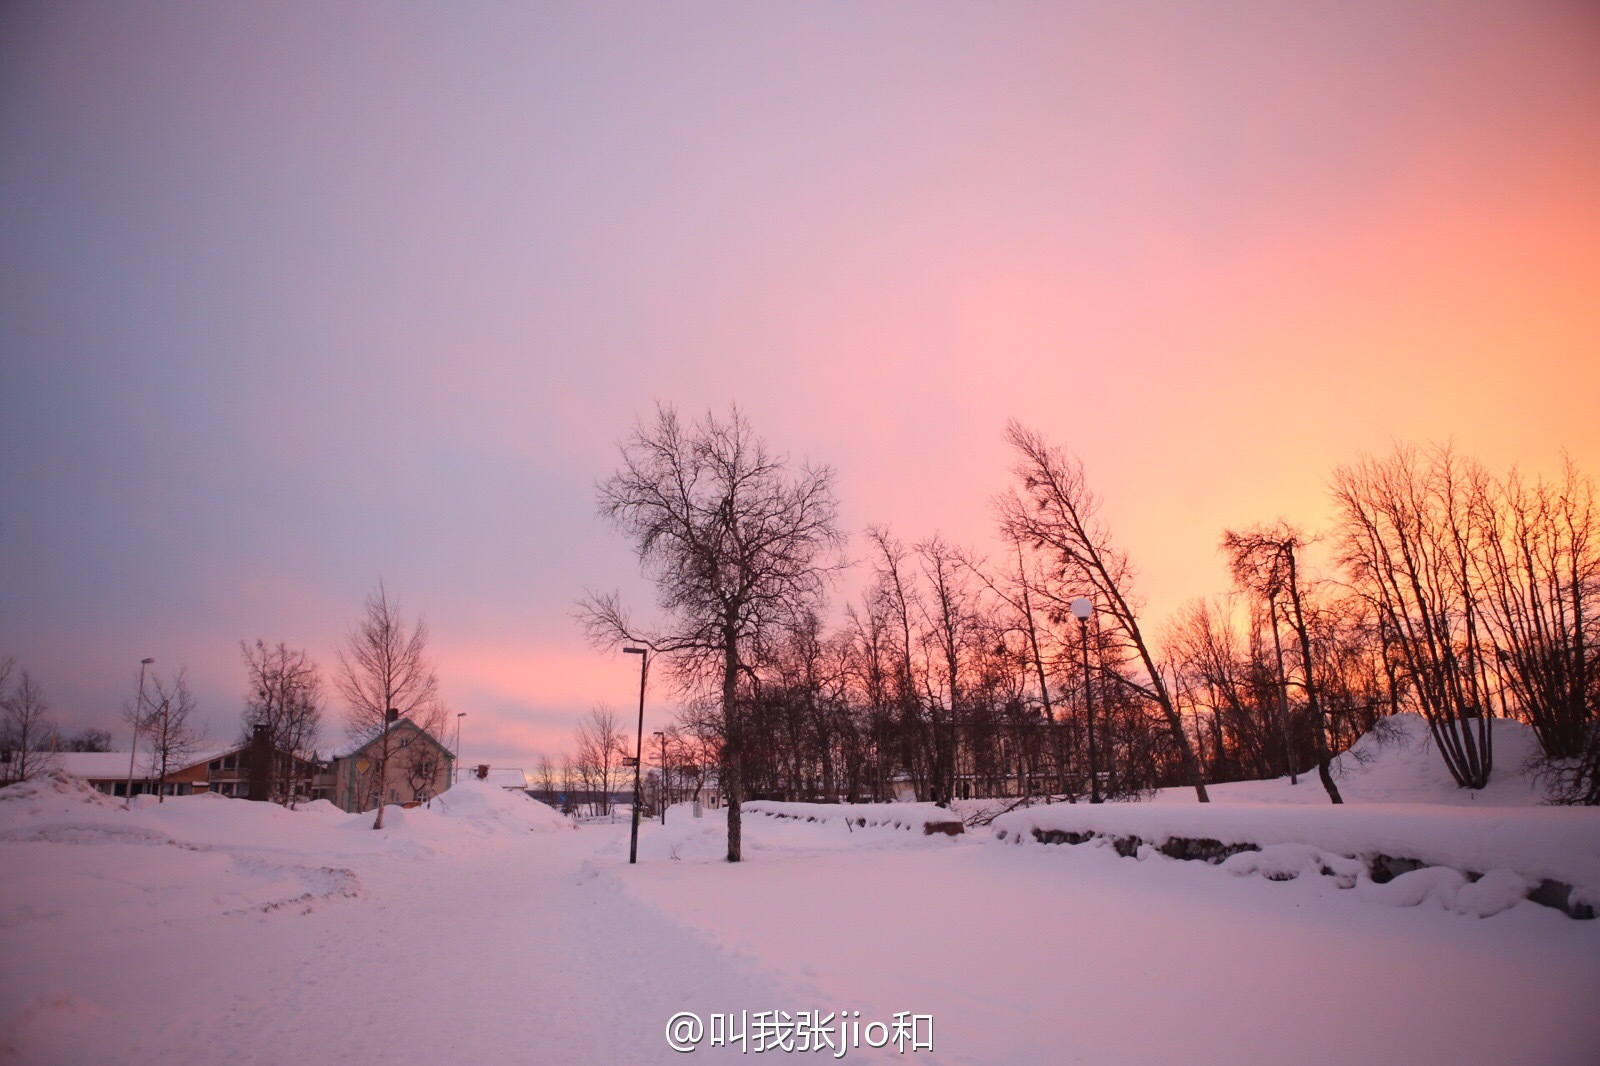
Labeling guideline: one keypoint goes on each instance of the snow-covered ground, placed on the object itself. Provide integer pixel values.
(487, 929)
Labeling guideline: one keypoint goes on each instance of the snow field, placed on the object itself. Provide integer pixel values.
(486, 929)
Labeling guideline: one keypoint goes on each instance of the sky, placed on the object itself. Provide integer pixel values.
(295, 297)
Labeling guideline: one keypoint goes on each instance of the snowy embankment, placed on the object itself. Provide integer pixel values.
(923, 818)
(1358, 845)
(1474, 852)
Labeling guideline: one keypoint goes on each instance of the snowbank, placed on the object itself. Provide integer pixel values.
(780, 829)
(910, 817)
(1534, 843)
(58, 807)
(54, 792)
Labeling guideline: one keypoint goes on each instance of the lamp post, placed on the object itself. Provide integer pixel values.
(665, 797)
(638, 753)
(138, 716)
(1082, 608)
(459, 715)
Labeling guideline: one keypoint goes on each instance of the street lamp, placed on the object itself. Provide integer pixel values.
(138, 715)
(638, 752)
(1082, 608)
(459, 715)
(664, 797)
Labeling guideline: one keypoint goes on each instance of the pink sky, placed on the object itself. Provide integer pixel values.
(294, 297)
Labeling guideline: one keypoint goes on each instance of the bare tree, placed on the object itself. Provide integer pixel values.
(1540, 571)
(1053, 510)
(26, 731)
(172, 736)
(1218, 674)
(569, 784)
(1266, 561)
(286, 697)
(384, 673)
(1409, 534)
(602, 746)
(89, 739)
(736, 540)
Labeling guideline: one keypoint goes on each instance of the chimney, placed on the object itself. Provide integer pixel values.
(258, 757)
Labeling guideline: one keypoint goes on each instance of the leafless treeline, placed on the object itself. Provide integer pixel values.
(1445, 591)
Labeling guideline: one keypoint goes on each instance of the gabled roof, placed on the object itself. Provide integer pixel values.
(376, 737)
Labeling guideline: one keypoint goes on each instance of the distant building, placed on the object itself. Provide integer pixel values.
(510, 777)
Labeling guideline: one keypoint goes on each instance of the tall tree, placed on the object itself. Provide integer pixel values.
(286, 697)
(168, 728)
(602, 746)
(384, 673)
(736, 540)
(1052, 509)
(1540, 572)
(1409, 533)
(26, 731)
(1266, 561)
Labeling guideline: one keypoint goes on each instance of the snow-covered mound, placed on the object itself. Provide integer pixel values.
(55, 792)
(60, 808)
(1397, 763)
(487, 807)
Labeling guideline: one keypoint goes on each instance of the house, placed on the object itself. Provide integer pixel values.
(419, 768)
(252, 770)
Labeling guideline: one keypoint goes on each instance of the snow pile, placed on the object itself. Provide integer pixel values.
(487, 808)
(1397, 763)
(55, 792)
(1285, 862)
(58, 807)
(1492, 893)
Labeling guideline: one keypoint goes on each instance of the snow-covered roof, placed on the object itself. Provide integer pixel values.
(504, 776)
(109, 765)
